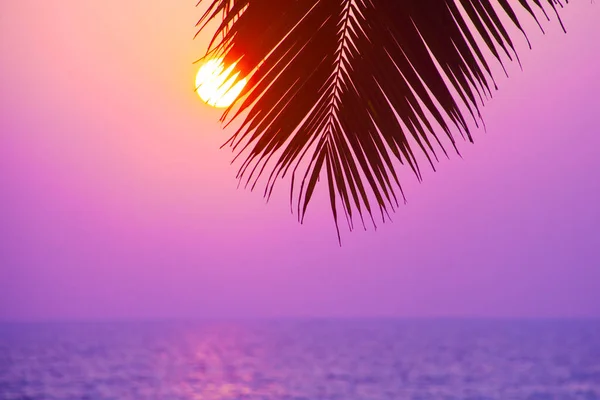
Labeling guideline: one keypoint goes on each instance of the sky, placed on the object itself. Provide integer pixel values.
(116, 201)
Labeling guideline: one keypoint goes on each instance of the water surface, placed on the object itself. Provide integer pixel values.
(302, 360)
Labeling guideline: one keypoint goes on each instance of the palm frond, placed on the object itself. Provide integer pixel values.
(346, 88)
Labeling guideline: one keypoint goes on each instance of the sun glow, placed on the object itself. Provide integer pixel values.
(216, 85)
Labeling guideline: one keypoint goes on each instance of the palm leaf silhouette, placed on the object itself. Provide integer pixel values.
(348, 88)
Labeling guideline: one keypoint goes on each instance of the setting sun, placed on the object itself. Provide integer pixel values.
(216, 86)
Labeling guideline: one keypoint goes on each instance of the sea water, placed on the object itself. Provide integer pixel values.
(302, 360)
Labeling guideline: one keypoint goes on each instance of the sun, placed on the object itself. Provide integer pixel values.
(215, 86)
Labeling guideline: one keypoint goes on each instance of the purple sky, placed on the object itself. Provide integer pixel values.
(116, 201)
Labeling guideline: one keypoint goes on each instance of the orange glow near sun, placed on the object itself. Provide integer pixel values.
(216, 86)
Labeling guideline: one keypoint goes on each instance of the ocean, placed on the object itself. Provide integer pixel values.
(302, 360)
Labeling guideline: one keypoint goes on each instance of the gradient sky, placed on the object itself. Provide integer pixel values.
(116, 201)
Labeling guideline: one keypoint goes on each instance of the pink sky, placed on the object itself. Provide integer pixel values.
(116, 201)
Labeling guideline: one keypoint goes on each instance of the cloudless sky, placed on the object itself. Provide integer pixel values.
(116, 201)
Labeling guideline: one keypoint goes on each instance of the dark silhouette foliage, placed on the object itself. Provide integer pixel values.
(345, 89)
